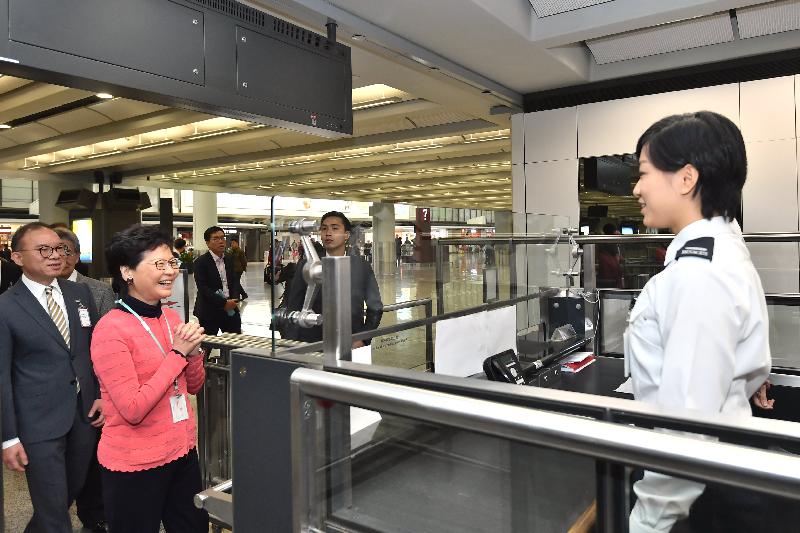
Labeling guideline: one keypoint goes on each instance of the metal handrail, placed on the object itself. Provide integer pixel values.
(542, 238)
(684, 456)
(388, 308)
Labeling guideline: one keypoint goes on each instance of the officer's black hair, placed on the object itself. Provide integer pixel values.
(345, 221)
(713, 145)
(127, 248)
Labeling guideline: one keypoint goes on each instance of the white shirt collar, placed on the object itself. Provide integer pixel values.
(36, 288)
(73, 276)
(700, 228)
(217, 257)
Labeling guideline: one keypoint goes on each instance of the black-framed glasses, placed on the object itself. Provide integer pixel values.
(217, 238)
(47, 251)
(161, 264)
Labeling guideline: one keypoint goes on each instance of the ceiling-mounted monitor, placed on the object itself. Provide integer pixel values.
(214, 56)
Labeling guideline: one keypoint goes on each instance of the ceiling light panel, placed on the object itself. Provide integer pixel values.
(672, 37)
(547, 8)
(767, 19)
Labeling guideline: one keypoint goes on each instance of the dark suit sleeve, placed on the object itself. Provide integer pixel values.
(94, 316)
(106, 302)
(201, 280)
(372, 297)
(294, 300)
(234, 287)
(6, 392)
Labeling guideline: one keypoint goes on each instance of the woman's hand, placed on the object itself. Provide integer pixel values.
(760, 397)
(187, 337)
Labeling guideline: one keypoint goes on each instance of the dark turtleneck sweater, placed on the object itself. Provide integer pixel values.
(142, 309)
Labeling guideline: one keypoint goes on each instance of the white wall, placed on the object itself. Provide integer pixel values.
(545, 168)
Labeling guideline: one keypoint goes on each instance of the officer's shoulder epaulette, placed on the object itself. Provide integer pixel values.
(702, 248)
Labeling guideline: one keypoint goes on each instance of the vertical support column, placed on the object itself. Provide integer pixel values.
(337, 335)
(204, 215)
(49, 213)
(384, 259)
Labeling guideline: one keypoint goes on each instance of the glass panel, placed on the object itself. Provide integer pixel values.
(784, 335)
(408, 475)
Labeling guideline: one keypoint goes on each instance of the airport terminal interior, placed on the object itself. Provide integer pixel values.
(424, 233)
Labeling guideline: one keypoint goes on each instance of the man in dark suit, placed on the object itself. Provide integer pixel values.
(49, 391)
(9, 274)
(89, 503)
(217, 287)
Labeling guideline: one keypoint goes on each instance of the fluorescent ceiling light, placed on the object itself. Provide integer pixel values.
(377, 103)
(5, 127)
(105, 96)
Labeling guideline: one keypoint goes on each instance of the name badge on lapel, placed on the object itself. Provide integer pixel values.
(83, 314)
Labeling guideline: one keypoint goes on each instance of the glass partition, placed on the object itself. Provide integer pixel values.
(372, 456)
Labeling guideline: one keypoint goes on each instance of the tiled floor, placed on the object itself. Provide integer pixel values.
(405, 349)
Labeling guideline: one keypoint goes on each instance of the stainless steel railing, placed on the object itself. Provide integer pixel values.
(684, 456)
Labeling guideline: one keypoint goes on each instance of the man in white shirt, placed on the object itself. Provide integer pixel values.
(218, 287)
(49, 391)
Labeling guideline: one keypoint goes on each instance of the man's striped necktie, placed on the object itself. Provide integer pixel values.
(57, 314)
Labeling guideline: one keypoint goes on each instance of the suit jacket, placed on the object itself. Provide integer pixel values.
(207, 304)
(9, 274)
(102, 293)
(363, 292)
(37, 368)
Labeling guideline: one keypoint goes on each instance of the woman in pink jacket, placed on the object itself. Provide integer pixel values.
(148, 361)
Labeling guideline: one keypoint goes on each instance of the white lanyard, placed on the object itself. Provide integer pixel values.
(150, 331)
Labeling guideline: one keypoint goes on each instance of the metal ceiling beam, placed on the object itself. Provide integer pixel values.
(324, 168)
(443, 130)
(156, 120)
(388, 182)
(361, 174)
(190, 147)
(35, 97)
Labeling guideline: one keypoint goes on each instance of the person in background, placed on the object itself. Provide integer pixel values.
(698, 336)
(9, 274)
(239, 265)
(5, 253)
(184, 255)
(217, 287)
(50, 402)
(89, 502)
(398, 250)
(147, 361)
(609, 259)
(335, 231)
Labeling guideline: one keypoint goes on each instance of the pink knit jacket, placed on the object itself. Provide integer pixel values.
(136, 382)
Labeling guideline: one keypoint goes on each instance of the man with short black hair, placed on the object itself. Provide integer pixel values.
(49, 392)
(217, 287)
(335, 232)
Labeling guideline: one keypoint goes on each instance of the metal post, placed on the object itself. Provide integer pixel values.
(337, 327)
(429, 337)
(439, 278)
(590, 284)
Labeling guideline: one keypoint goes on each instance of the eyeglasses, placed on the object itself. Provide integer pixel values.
(47, 251)
(217, 238)
(161, 264)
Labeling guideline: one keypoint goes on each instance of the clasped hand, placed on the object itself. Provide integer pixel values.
(187, 337)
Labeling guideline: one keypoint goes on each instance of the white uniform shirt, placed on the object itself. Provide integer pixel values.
(697, 338)
(220, 264)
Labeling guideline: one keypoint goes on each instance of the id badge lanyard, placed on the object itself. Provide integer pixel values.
(152, 336)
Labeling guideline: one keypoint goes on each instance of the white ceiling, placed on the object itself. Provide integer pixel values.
(432, 140)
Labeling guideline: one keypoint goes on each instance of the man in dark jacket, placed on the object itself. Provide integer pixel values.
(335, 231)
(217, 287)
(9, 274)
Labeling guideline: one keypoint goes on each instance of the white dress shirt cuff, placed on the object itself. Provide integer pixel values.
(9, 443)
